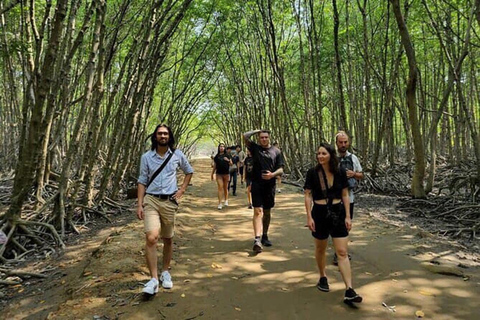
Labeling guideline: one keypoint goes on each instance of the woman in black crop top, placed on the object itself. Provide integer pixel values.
(327, 217)
(221, 164)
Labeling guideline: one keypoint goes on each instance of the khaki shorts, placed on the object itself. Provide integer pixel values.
(159, 214)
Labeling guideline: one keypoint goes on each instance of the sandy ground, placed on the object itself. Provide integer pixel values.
(216, 276)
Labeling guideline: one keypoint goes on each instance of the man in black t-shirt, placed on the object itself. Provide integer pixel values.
(267, 165)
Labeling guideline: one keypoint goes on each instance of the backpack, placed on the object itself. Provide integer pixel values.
(233, 167)
(347, 163)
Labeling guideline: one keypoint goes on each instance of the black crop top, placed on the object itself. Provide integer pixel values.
(312, 182)
(222, 164)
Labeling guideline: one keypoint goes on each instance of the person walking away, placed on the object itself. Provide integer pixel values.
(247, 176)
(241, 163)
(233, 171)
(279, 178)
(158, 199)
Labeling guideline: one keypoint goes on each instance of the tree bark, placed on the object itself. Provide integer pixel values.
(338, 69)
(24, 172)
(418, 190)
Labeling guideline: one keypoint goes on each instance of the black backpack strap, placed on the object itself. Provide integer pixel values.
(347, 162)
(160, 169)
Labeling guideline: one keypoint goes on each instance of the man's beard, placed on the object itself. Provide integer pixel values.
(162, 144)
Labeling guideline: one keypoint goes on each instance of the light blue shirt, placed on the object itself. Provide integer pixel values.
(166, 181)
(357, 167)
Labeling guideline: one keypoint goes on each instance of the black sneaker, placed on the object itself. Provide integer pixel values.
(322, 284)
(265, 241)
(250, 206)
(352, 296)
(257, 246)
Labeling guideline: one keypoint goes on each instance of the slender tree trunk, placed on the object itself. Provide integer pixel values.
(80, 121)
(454, 76)
(418, 190)
(24, 172)
(338, 65)
(367, 81)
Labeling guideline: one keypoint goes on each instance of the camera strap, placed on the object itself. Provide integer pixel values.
(323, 185)
(160, 169)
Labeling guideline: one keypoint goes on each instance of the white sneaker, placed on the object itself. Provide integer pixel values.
(219, 206)
(226, 203)
(151, 287)
(166, 280)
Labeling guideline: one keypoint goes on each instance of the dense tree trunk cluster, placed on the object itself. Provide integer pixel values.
(400, 77)
(79, 90)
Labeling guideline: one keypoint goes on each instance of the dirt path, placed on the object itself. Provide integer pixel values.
(216, 276)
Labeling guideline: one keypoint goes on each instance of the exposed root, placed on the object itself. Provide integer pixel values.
(9, 282)
(97, 212)
(46, 225)
(459, 217)
(22, 274)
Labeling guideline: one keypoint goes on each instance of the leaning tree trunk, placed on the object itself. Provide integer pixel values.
(59, 209)
(67, 50)
(338, 65)
(365, 136)
(24, 172)
(418, 190)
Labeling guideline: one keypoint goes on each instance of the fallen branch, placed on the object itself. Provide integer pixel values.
(22, 274)
(9, 282)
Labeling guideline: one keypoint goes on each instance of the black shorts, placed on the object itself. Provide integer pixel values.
(329, 222)
(248, 182)
(240, 169)
(263, 194)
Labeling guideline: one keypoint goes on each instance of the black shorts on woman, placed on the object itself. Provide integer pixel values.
(329, 218)
(329, 221)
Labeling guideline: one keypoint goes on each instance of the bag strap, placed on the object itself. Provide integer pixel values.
(160, 169)
(323, 183)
